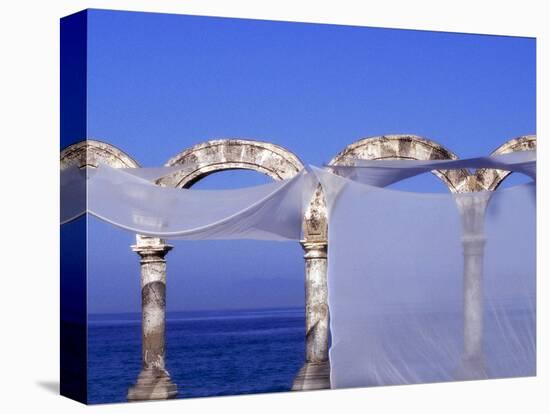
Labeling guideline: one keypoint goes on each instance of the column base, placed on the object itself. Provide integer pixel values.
(152, 384)
(313, 376)
(472, 369)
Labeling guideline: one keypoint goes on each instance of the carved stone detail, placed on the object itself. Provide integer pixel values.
(91, 152)
(490, 179)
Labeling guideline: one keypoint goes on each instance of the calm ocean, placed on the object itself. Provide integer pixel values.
(208, 353)
(254, 351)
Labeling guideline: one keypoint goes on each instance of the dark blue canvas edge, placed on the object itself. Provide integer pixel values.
(73, 237)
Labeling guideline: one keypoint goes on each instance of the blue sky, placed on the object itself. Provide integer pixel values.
(160, 83)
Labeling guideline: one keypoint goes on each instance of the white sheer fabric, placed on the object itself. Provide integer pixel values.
(385, 172)
(422, 287)
(429, 287)
(72, 194)
(121, 197)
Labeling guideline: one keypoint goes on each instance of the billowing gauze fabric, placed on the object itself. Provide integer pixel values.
(381, 173)
(428, 287)
(422, 287)
(128, 198)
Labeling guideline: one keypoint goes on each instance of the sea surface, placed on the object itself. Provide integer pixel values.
(214, 353)
(209, 353)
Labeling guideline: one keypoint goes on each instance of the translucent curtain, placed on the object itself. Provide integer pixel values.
(129, 199)
(381, 173)
(429, 287)
(422, 287)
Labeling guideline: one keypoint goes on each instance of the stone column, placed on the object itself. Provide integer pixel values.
(153, 381)
(315, 374)
(472, 208)
(473, 364)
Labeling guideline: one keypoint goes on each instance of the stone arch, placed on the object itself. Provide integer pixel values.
(490, 179)
(278, 163)
(405, 147)
(91, 152)
(273, 160)
(315, 374)
(231, 154)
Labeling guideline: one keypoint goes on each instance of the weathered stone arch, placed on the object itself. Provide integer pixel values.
(92, 152)
(472, 210)
(278, 163)
(490, 179)
(316, 372)
(213, 156)
(405, 147)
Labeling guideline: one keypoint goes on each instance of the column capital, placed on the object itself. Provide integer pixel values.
(314, 249)
(151, 247)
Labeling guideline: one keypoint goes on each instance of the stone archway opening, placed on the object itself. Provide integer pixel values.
(278, 163)
(249, 296)
(422, 183)
(231, 179)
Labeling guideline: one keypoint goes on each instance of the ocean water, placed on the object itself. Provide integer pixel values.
(209, 353)
(256, 351)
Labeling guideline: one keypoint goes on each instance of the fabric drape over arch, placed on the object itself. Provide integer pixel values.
(422, 287)
(129, 198)
(429, 287)
(382, 173)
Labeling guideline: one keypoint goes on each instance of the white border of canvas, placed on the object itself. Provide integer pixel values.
(29, 33)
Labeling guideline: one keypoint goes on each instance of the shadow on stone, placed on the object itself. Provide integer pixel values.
(153, 384)
(313, 376)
